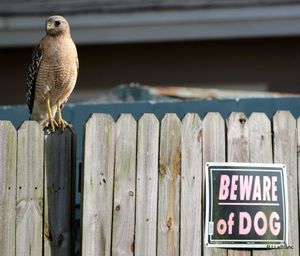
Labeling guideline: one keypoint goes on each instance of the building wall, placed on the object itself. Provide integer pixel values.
(271, 64)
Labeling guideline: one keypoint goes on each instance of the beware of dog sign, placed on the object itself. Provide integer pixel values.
(246, 205)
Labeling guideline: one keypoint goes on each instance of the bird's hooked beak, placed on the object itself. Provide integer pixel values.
(50, 25)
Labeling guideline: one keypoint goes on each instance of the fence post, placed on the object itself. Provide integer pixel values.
(30, 178)
(8, 160)
(59, 192)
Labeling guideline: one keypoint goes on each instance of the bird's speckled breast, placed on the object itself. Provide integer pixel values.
(58, 70)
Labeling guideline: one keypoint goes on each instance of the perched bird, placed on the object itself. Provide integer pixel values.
(52, 74)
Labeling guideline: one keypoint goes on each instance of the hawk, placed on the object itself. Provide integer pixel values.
(52, 74)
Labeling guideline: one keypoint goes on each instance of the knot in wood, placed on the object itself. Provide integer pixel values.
(169, 223)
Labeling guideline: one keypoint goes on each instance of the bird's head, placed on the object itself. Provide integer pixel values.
(57, 25)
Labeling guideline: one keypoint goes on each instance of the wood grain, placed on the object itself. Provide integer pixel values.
(147, 185)
(59, 168)
(191, 186)
(30, 179)
(8, 164)
(124, 186)
(97, 191)
(238, 148)
(285, 152)
(214, 150)
(169, 186)
(261, 151)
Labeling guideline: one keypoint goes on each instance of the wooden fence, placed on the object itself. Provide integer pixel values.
(143, 181)
(142, 184)
(35, 191)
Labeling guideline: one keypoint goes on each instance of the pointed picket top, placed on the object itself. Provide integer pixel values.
(260, 138)
(238, 138)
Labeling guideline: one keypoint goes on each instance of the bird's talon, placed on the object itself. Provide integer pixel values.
(52, 124)
(62, 124)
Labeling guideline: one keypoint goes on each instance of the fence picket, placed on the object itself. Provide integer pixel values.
(191, 186)
(169, 186)
(97, 191)
(147, 185)
(260, 151)
(124, 186)
(214, 150)
(30, 178)
(58, 209)
(285, 152)
(238, 151)
(8, 163)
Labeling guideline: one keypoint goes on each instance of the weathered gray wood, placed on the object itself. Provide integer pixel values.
(213, 151)
(59, 168)
(285, 152)
(8, 163)
(260, 151)
(30, 179)
(97, 191)
(124, 186)
(191, 186)
(147, 185)
(169, 186)
(238, 148)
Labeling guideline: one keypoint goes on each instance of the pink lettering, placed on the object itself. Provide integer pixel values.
(274, 225)
(274, 188)
(245, 223)
(256, 190)
(245, 187)
(234, 179)
(221, 227)
(266, 188)
(260, 231)
(224, 184)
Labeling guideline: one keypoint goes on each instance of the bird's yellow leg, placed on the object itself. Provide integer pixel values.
(61, 122)
(51, 121)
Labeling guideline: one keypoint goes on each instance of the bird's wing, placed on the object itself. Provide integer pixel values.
(37, 57)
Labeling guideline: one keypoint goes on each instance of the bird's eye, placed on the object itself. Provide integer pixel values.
(57, 23)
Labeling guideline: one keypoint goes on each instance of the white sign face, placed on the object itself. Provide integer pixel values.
(246, 205)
